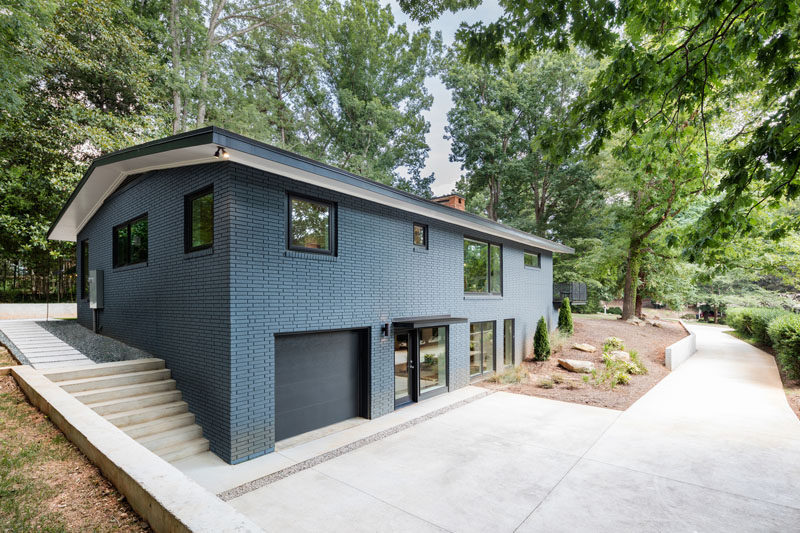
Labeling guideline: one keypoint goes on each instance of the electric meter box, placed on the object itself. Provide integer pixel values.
(95, 289)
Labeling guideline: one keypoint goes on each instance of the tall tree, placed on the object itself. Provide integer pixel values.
(367, 100)
(687, 59)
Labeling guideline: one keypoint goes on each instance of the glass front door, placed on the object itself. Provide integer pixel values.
(481, 348)
(420, 364)
(403, 364)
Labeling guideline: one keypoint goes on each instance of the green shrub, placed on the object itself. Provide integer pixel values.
(784, 332)
(565, 318)
(636, 366)
(541, 342)
(614, 311)
(613, 343)
(759, 322)
(753, 322)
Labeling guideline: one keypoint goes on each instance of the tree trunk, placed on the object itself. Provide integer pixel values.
(631, 281)
(638, 311)
(201, 99)
(494, 198)
(174, 22)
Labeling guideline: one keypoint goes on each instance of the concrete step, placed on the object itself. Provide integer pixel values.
(135, 402)
(125, 391)
(183, 450)
(106, 369)
(116, 380)
(159, 425)
(172, 437)
(124, 419)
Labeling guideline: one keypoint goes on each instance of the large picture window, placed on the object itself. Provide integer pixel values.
(84, 268)
(483, 267)
(312, 225)
(481, 347)
(198, 216)
(130, 242)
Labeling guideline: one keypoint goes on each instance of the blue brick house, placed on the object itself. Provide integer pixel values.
(286, 295)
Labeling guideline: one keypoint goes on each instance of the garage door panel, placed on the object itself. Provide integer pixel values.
(316, 380)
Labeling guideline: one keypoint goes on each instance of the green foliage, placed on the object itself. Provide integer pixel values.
(784, 333)
(754, 322)
(613, 343)
(565, 318)
(514, 374)
(614, 311)
(541, 341)
(636, 366)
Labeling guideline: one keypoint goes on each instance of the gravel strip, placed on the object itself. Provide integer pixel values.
(11, 347)
(98, 348)
(250, 486)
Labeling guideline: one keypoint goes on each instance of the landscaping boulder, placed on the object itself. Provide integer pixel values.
(585, 347)
(655, 323)
(635, 322)
(620, 355)
(574, 365)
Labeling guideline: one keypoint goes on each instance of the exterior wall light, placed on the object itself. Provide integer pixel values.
(221, 153)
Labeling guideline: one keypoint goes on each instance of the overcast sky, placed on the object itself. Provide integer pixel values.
(447, 173)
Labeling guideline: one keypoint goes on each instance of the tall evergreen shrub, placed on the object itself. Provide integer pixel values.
(565, 318)
(541, 342)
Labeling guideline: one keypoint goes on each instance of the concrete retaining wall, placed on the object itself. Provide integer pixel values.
(161, 494)
(682, 350)
(19, 311)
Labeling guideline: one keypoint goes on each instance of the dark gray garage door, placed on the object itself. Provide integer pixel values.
(318, 379)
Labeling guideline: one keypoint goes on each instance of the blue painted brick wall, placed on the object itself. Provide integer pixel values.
(177, 306)
(213, 317)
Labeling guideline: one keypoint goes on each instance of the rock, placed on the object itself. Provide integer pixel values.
(655, 323)
(635, 322)
(574, 365)
(619, 355)
(584, 347)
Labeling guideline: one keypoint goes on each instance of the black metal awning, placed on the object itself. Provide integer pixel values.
(426, 321)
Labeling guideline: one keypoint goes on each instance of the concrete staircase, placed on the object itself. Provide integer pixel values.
(138, 397)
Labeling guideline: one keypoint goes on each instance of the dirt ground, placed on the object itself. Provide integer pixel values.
(647, 340)
(46, 484)
(6, 359)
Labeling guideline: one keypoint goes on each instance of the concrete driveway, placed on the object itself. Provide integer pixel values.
(713, 447)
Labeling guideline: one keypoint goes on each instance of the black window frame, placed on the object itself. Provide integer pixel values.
(84, 250)
(538, 259)
(512, 343)
(489, 246)
(483, 371)
(127, 224)
(424, 227)
(187, 219)
(332, 225)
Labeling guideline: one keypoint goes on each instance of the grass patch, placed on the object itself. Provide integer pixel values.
(546, 383)
(514, 374)
(6, 359)
(46, 484)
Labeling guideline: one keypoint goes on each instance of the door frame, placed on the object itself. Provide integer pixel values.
(415, 393)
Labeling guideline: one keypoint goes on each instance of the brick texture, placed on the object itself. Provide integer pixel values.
(214, 316)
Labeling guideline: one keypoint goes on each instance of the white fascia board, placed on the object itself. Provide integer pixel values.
(105, 179)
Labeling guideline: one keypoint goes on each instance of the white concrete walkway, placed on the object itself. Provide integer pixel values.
(713, 447)
(40, 347)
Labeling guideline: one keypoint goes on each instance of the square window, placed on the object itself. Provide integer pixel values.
(420, 235)
(532, 260)
(198, 216)
(311, 225)
(483, 267)
(130, 242)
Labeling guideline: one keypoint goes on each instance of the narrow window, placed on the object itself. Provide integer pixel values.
(483, 267)
(311, 225)
(84, 268)
(420, 235)
(130, 242)
(481, 347)
(198, 216)
(508, 341)
(532, 260)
